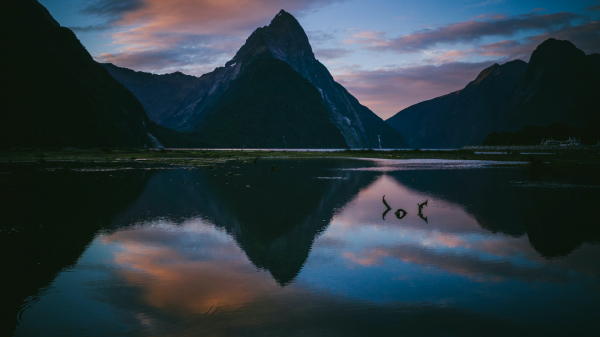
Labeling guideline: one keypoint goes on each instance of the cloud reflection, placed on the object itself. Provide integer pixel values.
(363, 275)
(452, 242)
(194, 275)
(187, 269)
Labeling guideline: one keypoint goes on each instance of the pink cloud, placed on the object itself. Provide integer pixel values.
(150, 34)
(464, 32)
(389, 90)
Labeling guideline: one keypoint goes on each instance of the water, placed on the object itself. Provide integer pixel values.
(306, 250)
(303, 150)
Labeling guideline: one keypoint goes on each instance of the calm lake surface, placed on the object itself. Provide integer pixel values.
(306, 250)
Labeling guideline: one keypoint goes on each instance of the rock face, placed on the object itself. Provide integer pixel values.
(463, 117)
(288, 42)
(561, 84)
(160, 95)
(55, 94)
(284, 39)
(270, 105)
(595, 59)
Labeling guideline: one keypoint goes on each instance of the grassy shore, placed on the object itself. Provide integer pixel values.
(571, 161)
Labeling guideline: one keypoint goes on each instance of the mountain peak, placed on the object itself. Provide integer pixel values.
(554, 43)
(285, 39)
(553, 49)
(560, 85)
(486, 72)
(283, 15)
(286, 23)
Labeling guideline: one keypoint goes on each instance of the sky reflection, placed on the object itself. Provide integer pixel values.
(174, 276)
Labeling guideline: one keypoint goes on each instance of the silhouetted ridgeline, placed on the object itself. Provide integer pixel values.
(57, 95)
(60, 97)
(463, 117)
(560, 84)
(271, 106)
(195, 104)
(161, 95)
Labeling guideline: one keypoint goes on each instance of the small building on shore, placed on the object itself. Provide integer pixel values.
(570, 142)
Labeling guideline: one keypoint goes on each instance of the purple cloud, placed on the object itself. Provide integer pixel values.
(465, 32)
(585, 36)
(387, 91)
(331, 53)
(159, 36)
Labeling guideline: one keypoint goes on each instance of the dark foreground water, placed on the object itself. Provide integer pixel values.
(307, 250)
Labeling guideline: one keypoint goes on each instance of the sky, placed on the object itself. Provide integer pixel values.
(388, 54)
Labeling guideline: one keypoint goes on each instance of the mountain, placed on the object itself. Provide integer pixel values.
(270, 105)
(285, 40)
(561, 84)
(159, 94)
(55, 94)
(463, 117)
(595, 59)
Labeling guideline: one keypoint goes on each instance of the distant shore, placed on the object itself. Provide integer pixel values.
(582, 149)
(585, 159)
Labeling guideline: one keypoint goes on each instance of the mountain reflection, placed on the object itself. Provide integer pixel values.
(273, 216)
(48, 221)
(453, 240)
(556, 221)
(305, 250)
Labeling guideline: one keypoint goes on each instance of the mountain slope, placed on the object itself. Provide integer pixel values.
(286, 40)
(271, 106)
(55, 94)
(595, 59)
(160, 95)
(561, 84)
(463, 117)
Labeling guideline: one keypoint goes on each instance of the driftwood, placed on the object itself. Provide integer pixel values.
(388, 208)
(398, 213)
(421, 210)
(385, 203)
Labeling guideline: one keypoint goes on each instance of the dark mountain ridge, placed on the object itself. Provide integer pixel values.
(285, 40)
(159, 94)
(463, 117)
(270, 105)
(55, 94)
(559, 85)
(595, 59)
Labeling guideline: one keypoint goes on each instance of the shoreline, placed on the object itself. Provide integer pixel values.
(584, 160)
